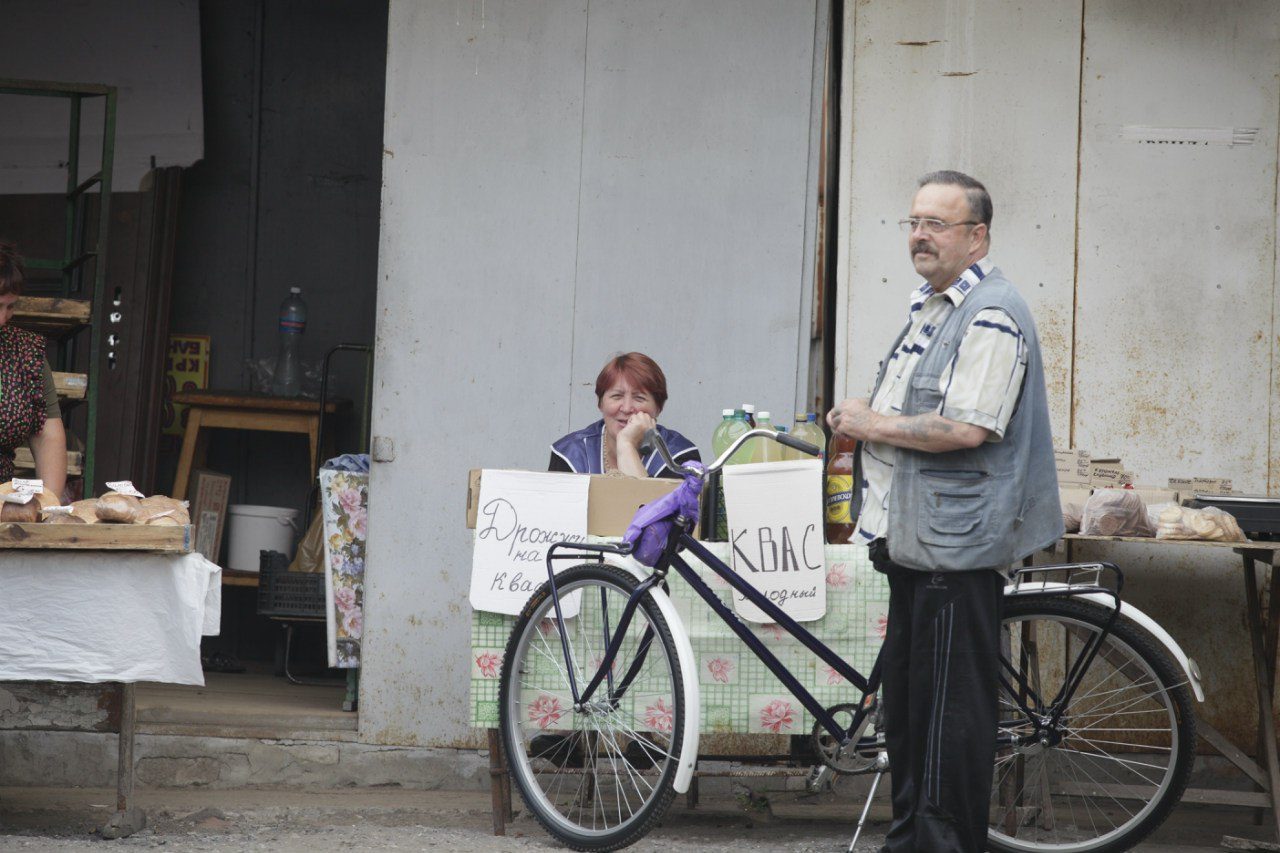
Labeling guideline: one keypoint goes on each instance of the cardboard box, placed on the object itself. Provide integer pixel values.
(1072, 466)
(1188, 486)
(1078, 495)
(611, 501)
(1212, 485)
(1109, 476)
(1152, 495)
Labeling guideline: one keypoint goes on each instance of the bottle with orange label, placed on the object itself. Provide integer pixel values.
(839, 498)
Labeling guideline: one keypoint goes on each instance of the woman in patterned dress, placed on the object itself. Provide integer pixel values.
(29, 412)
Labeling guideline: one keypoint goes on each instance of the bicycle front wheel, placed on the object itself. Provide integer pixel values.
(1108, 769)
(599, 776)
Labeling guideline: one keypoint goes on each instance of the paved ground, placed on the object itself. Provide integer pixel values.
(302, 821)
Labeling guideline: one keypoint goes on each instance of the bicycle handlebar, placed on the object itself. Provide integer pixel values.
(653, 439)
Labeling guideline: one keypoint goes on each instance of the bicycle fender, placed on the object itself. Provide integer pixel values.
(688, 675)
(1151, 626)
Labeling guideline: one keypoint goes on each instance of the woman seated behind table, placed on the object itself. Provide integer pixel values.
(29, 412)
(630, 391)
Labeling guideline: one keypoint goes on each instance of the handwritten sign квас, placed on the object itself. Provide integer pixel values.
(776, 536)
(520, 515)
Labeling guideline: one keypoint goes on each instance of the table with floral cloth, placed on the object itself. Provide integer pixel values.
(739, 693)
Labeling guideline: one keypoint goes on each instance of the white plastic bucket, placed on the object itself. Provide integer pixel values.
(258, 528)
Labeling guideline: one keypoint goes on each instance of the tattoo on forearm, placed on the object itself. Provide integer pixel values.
(929, 432)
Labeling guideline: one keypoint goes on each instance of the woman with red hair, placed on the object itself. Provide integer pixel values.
(630, 392)
(29, 412)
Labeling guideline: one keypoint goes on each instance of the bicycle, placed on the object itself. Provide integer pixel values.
(599, 718)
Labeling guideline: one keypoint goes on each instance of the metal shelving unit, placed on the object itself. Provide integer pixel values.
(66, 317)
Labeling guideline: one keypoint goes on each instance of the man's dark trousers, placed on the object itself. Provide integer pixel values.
(941, 667)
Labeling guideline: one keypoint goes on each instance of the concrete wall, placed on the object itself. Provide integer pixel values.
(562, 183)
(1147, 254)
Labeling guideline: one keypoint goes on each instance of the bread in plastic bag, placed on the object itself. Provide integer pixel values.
(1072, 512)
(1115, 512)
(1210, 523)
(116, 508)
(159, 509)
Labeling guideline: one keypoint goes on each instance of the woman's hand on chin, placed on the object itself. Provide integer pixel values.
(633, 433)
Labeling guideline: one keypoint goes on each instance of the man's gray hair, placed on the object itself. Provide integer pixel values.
(975, 193)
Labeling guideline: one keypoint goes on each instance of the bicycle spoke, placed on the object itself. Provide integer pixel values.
(1093, 770)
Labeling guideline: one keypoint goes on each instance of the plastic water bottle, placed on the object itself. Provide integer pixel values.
(806, 429)
(732, 432)
(766, 449)
(717, 437)
(287, 381)
(785, 453)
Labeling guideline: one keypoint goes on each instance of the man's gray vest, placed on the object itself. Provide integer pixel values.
(990, 506)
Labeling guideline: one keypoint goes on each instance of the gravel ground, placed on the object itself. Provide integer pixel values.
(317, 821)
(392, 819)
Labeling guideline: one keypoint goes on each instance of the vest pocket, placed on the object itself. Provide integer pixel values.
(955, 508)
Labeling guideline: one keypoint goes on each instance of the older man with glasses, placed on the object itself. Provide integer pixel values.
(957, 484)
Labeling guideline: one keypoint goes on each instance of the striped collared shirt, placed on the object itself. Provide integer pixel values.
(979, 386)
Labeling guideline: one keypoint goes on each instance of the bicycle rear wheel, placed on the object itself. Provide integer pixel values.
(1117, 760)
(600, 776)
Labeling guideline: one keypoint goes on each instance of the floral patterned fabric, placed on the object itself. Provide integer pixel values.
(739, 694)
(22, 407)
(345, 504)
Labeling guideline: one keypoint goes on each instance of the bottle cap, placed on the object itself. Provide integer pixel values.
(802, 417)
(782, 427)
(748, 407)
(764, 416)
(295, 290)
(726, 413)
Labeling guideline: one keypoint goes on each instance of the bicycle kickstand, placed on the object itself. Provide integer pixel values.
(866, 808)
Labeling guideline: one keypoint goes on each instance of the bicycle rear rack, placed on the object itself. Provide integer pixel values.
(1067, 579)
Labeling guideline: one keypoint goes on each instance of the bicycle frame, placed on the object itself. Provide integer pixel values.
(671, 558)
(681, 539)
(1046, 714)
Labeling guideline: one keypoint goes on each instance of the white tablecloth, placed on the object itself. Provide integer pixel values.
(106, 615)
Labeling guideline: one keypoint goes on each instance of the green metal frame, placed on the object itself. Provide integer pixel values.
(74, 256)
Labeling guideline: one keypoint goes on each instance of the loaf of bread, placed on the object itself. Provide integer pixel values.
(46, 498)
(28, 512)
(158, 507)
(86, 510)
(116, 508)
(63, 518)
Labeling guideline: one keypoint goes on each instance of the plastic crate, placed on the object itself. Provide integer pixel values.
(285, 593)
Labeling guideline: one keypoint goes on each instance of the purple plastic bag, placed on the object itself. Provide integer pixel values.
(651, 525)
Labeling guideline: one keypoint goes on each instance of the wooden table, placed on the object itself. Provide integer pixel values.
(239, 410)
(1263, 629)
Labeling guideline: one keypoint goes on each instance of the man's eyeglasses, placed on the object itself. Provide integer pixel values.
(933, 226)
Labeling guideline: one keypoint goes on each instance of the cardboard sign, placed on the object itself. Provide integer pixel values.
(519, 516)
(776, 536)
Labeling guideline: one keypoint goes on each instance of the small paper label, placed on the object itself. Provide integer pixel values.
(125, 487)
(28, 487)
(58, 510)
(17, 498)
